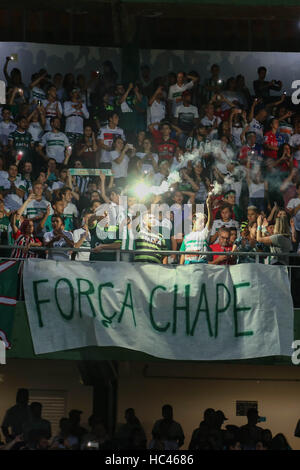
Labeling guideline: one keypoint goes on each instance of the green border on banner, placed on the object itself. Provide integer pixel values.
(22, 347)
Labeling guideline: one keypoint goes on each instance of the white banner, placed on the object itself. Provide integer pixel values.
(192, 312)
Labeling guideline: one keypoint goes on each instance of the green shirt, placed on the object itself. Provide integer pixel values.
(104, 236)
(149, 241)
(68, 224)
(22, 143)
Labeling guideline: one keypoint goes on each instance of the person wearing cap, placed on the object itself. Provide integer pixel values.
(250, 433)
(186, 116)
(75, 111)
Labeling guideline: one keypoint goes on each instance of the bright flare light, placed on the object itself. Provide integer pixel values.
(141, 190)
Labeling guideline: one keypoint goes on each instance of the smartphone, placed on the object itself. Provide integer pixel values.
(39, 103)
(14, 57)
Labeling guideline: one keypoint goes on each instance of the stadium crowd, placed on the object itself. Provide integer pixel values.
(24, 428)
(204, 140)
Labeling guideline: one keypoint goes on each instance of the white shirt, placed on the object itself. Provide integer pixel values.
(55, 143)
(205, 121)
(35, 208)
(5, 129)
(175, 91)
(294, 141)
(77, 234)
(258, 128)
(12, 201)
(186, 115)
(156, 112)
(70, 211)
(58, 256)
(107, 135)
(291, 205)
(51, 112)
(147, 166)
(218, 223)
(120, 169)
(75, 117)
(36, 131)
(256, 190)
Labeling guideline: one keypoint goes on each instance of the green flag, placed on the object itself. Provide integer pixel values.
(8, 294)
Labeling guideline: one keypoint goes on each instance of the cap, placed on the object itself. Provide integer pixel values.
(221, 414)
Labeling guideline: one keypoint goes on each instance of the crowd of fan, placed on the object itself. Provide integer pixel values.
(25, 429)
(246, 145)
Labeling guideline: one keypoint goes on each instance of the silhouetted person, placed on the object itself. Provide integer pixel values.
(168, 430)
(250, 433)
(75, 428)
(36, 422)
(131, 434)
(16, 416)
(279, 442)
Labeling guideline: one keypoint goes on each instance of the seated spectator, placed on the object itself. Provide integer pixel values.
(279, 442)
(64, 439)
(97, 438)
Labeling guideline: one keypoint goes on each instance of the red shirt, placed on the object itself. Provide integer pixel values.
(165, 148)
(284, 166)
(224, 115)
(217, 247)
(271, 139)
(22, 240)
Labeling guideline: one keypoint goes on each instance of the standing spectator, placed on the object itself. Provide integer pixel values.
(146, 82)
(293, 209)
(223, 219)
(272, 140)
(166, 146)
(87, 148)
(198, 239)
(279, 242)
(38, 82)
(36, 422)
(213, 84)
(16, 416)
(104, 236)
(294, 140)
(82, 239)
(75, 111)
(70, 211)
(106, 136)
(55, 142)
(36, 121)
(186, 116)
(52, 107)
(12, 189)
(6, 127)
(58, 238)
(157, 107)
(126, 434)
(257, 122)
(149, 159)
(120, 157)
(20, 141)
(262, 87)
(250, 433)
(175, 91)
(168, 430)
(75, 428)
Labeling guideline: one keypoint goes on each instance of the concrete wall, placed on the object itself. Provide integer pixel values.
(193, 388)
(45, 375)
